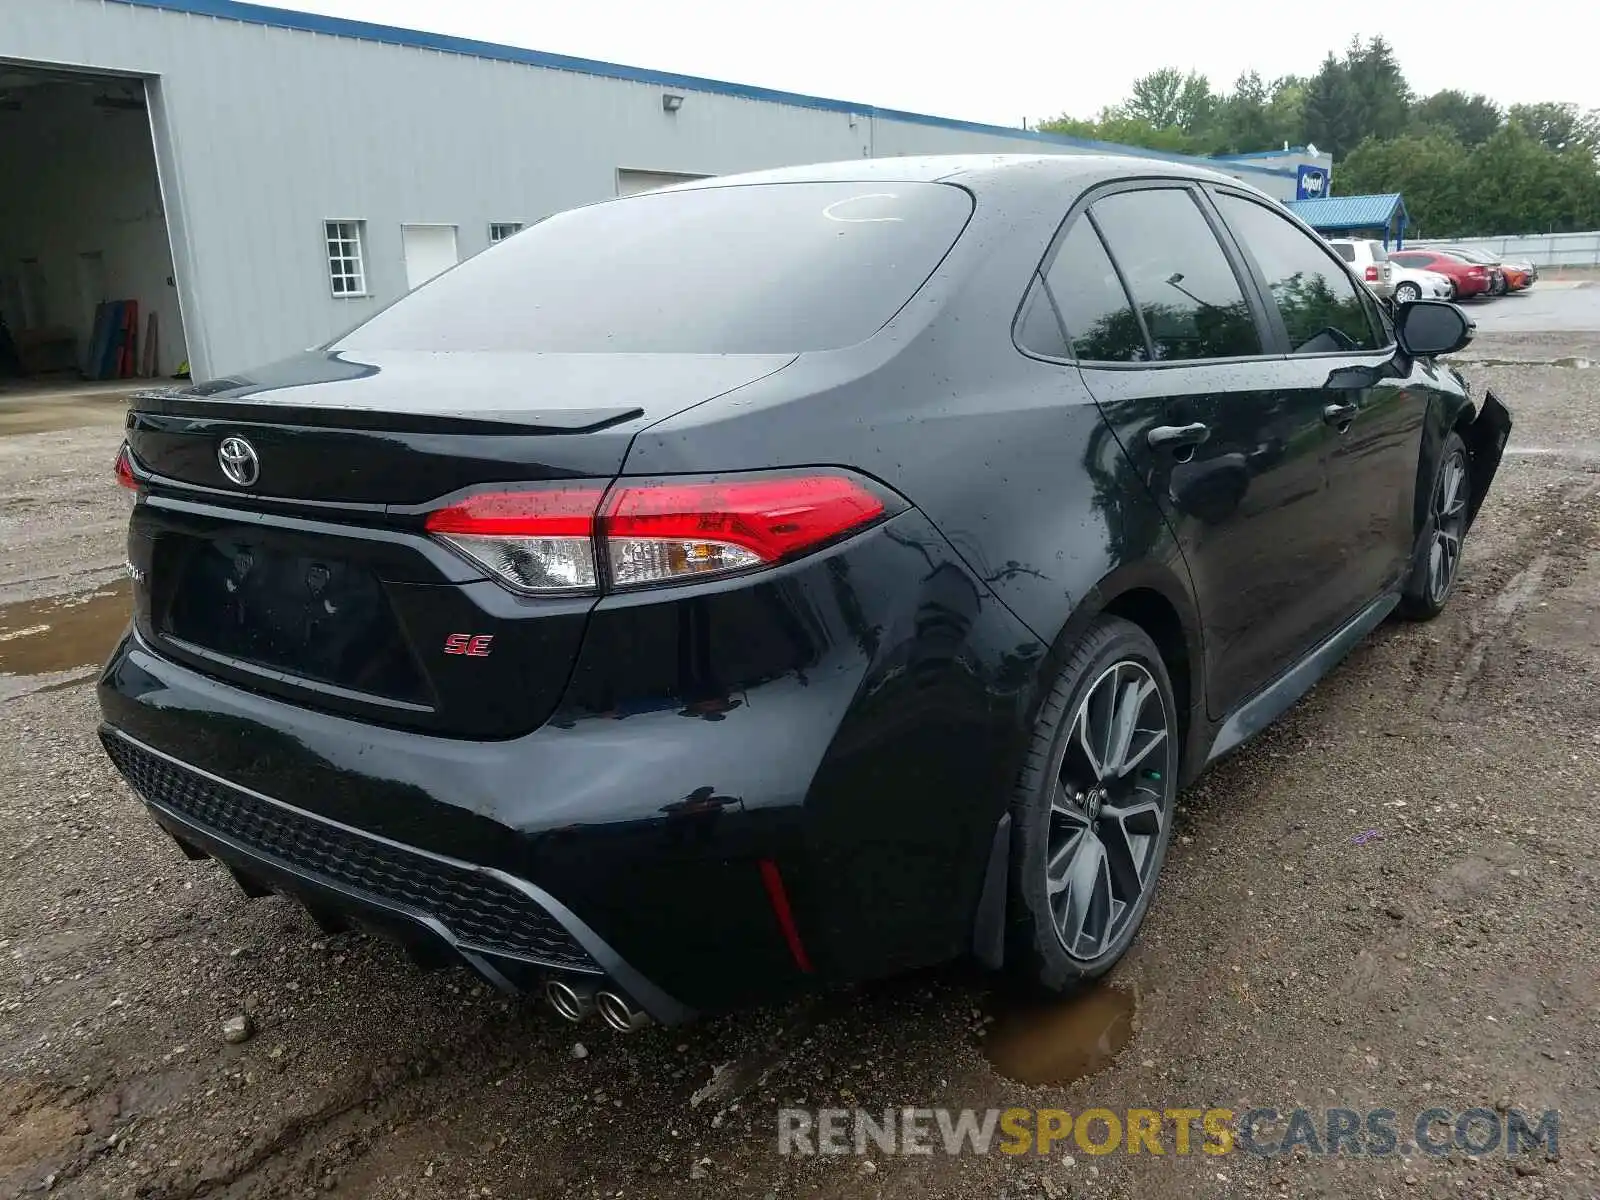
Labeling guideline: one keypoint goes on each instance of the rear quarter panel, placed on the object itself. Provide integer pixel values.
(1007, 455)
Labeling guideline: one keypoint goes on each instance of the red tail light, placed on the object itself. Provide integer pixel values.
(652, 531)
(1372, 274)
(124, 469)
(668, 530)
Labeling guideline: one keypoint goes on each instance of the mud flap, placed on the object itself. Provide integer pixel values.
(1486, 441)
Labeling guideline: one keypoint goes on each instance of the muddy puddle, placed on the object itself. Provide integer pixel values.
(1573, 363)
(42, 639)
(48, 412)
(1061, 1041)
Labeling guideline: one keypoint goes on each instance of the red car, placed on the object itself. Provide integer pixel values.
(1470, 279)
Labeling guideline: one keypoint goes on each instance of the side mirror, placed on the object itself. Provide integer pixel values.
(1429, 327)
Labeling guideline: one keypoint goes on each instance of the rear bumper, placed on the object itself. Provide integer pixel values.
(847, 726)
(511, 933)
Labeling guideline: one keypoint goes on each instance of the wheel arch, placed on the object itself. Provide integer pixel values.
(1152, 595)
(1449, 411)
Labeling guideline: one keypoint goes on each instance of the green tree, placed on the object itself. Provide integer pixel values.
(1173, 111)
(1117, 126)
(1286, 113)
(1383, 98)
(1429, 170)
(1169, 99)
(1156, 98)
(1332, 109)
(1558, 126)
(1362, 95)
(1471, 120)
(1525, 187)
(1243, 121)
(1197, 107)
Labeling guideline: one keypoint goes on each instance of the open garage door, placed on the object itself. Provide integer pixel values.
(631, 183)
(87, 288)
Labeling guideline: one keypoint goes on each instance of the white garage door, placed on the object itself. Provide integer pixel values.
(631, 183)
(429, 249)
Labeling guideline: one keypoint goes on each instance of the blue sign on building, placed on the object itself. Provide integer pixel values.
(1311, 182)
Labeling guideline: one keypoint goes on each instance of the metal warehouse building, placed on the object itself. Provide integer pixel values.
(260, 179)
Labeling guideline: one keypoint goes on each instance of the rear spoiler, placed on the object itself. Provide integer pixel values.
(177, 402)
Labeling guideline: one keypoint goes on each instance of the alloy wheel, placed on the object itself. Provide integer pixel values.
(1449, 526)
(1407, 292)
(1108, 809)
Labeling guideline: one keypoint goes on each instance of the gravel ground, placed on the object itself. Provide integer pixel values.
(1294, 958)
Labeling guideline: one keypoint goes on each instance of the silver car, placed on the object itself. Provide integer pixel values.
(1414, 283)
(1370, 260)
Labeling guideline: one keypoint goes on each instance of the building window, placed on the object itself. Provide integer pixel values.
(346, 273)
(499, 231)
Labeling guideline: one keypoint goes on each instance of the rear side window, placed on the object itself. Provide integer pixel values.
(1179, 277)
(772, 268)
(1321, 308)
(1345, 251)
(1038, 330)
(1101, 325)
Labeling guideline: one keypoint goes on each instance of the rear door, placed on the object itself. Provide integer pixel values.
(1190, 382)
(1341, 352)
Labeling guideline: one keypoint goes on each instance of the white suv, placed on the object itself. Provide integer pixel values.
(1370, 260)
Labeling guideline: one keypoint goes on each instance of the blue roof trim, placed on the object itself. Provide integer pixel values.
(304, 22)
(1349, 212)
(1260, 154)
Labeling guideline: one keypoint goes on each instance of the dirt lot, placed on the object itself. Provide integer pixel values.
(1390, 899)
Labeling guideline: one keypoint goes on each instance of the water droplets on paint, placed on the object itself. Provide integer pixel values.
(43, 642)
(1056, 1042)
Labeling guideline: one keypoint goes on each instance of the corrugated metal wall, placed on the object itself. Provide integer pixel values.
(1543, 250)
(270, 131)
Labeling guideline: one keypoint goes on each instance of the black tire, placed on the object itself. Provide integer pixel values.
(1117, 655)
(1443, 536)
(1405, 293)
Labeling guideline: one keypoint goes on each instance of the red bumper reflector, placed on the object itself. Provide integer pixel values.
(779, 899)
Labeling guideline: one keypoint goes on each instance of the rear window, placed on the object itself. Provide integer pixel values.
(770, 268)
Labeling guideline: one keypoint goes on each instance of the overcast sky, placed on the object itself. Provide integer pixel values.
(1001, 61)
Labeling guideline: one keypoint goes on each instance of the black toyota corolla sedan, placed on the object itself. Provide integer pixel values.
(783, 579)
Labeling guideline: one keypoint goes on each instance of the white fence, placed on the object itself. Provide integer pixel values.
(1544, 250)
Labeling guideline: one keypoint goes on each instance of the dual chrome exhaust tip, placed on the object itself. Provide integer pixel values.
(575, 1001)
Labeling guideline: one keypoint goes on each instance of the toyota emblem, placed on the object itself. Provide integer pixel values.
(239, 461)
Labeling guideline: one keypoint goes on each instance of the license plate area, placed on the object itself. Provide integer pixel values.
(315, 618)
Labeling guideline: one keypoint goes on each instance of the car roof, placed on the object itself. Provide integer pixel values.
(994, 175)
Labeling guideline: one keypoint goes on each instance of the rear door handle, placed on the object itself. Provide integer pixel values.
(1174, 437)
(1339, 414)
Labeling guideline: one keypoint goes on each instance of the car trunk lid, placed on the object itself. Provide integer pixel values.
(311, 576)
